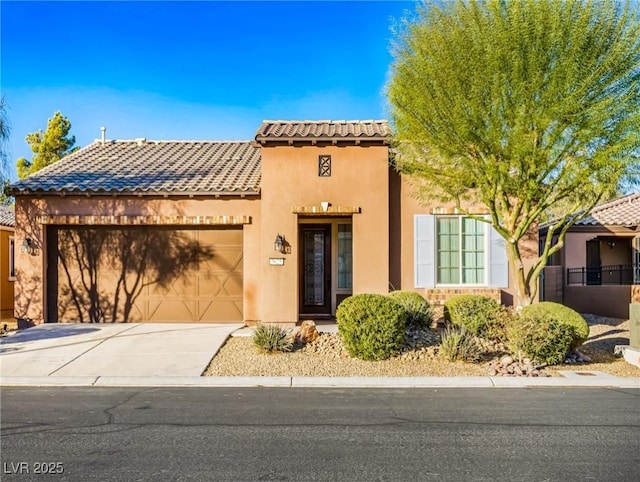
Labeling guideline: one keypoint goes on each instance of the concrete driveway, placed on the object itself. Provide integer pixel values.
(120, 350)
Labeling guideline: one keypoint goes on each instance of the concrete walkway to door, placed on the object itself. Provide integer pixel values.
(119, 350)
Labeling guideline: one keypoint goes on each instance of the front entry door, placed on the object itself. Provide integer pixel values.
(315, 269)
(594, 268)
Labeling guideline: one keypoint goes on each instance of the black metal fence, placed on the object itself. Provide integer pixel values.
(620, 274)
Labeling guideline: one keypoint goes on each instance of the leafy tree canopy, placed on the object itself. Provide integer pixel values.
(519, 105)
(48, 146)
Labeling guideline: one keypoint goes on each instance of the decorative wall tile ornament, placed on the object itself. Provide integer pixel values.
(324, 166)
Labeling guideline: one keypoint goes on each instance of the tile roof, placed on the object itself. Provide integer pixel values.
(371, 129)
(7, 217)
(151, 167)
(624, 211)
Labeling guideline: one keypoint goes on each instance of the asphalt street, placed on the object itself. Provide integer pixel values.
(238, 434)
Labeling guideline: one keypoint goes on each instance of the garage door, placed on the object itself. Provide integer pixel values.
(134, 274)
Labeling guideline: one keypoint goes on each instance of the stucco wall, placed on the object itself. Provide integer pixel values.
(553, 289)
(575, 248)
(6, 284)
(618, 254)
(30, 269)
(605, 300)
(409, 206)
(359, 177)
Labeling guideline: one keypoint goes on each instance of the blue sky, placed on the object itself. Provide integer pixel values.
(191, 70)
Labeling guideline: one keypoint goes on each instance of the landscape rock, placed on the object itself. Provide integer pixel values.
(506, 360)
(329, 344)
(506, 366)
(307, 332)
(583, 358)
(576, 357)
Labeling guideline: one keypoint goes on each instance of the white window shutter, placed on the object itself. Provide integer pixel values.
(498, 262)
(424, 251)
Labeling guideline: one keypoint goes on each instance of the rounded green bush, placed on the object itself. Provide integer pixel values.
(372, 327)
(540, 337)
(475, 313)
(561, 314)
(418, 311)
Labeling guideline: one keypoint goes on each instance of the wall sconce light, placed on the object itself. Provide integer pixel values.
(278, 244)
(27, 246)
(611, 244)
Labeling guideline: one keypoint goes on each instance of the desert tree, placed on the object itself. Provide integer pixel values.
(521, 106)
(5, 131)
(48, 146)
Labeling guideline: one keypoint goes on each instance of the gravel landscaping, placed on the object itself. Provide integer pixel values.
(327, 357)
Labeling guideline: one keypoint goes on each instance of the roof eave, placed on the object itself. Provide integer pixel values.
(355, 140)
(626, 229)
(135, 193)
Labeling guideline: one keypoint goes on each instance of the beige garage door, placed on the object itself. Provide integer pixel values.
(135, 274)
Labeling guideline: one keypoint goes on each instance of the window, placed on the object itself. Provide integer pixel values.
(324, 166)
(12, 253)
(458, 250)
(345, 257)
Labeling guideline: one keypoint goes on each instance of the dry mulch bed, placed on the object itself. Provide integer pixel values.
(327, 357)
(604, 334)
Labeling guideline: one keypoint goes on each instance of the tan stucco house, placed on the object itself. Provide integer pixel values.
(7, 261)
(598, 269)
(276, 229)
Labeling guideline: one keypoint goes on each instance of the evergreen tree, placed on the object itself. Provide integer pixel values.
(48, 146)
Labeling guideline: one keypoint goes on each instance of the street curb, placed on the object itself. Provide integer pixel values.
(43, 381)
(280, 382)
(391, 382)
(597, 380)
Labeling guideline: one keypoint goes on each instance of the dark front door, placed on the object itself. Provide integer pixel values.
(594, 269)
(315, 269)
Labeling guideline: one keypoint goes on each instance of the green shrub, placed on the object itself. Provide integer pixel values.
(418, 311)
(561, 314)
(496, 329)
(458, 344)
(476, 314)
(272, 338)
(540, 337)
(372, 327)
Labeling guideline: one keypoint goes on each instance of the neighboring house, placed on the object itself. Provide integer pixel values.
(7, 265)
(598, 269)
(276, 229)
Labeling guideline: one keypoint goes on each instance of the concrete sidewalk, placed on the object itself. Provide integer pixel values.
(171, 355)
(571, 379)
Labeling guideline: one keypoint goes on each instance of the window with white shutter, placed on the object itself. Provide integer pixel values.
(458, 251)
